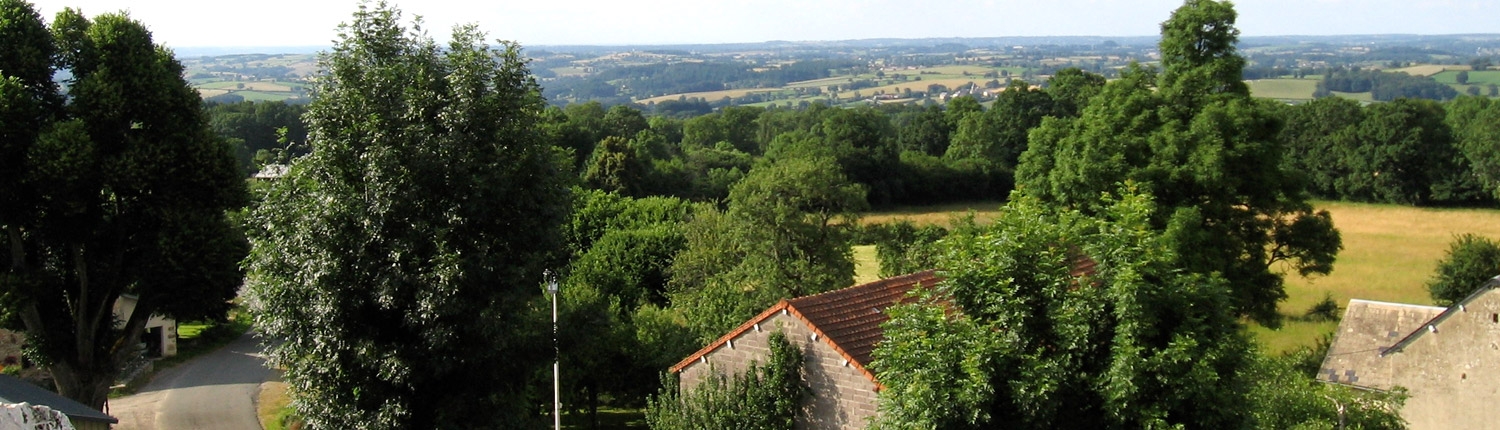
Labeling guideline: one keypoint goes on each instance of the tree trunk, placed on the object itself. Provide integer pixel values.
(594, 404)
(87, 386)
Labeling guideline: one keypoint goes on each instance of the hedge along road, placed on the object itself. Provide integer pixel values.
(216, 390)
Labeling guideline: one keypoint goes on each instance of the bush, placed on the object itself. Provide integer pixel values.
(1471, 260)
(764, 397)
(1324, 310)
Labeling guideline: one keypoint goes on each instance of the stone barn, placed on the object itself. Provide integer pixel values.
(1448, 359)
(836, 331)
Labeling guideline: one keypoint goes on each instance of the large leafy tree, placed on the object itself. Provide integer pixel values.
(785, 234)
(1051, 320)
(121, 190)
(400, 260)
(1193, 138)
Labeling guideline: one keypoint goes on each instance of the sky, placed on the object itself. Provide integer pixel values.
(265, 23)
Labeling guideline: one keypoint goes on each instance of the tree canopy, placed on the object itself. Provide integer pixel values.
(1064, 320)
(1193, 138)
(400, 261)
(119, 189)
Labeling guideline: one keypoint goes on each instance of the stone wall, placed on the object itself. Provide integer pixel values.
(842, 396)
(1453, 373)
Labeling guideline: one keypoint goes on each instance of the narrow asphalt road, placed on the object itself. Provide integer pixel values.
(214, 391)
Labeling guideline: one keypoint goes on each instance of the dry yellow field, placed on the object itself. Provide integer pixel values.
(1428, 69)
(918, 86)
(866, 264)
(709, 95)
(1389, 251)
(984, 212)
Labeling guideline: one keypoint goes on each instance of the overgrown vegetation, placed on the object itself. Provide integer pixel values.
(766, 396)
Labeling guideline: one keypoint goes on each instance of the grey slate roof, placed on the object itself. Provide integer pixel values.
(13, 390)
(1368, 329)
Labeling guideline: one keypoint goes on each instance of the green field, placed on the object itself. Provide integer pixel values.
(1389, 253)
(1475, 78)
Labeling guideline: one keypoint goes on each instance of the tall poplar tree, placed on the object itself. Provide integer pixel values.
(119, 189)
(401, 260)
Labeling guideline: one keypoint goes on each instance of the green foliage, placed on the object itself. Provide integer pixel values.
(617, 334)
(1206, 151)
(1315, 135)
(1283, 395)
(904, 247)
(618, 165)
(399, 262)
(118, 189)
(767, 396)
(1014, 335)
(1402, 153)
(1384, 86)
(262, 133)
(1475, 122)
(1470, 262)
(785, 234)
(1072, 88)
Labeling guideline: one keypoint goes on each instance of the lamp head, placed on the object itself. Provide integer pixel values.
(551, 281)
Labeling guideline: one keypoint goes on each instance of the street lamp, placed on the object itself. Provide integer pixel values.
(556, 355)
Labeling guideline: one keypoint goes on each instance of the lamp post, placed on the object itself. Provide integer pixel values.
(556, 355)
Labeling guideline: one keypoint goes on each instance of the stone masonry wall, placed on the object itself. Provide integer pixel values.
(842, 397)
(1453, 374)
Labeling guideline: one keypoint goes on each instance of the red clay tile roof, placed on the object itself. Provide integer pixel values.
(848, 320)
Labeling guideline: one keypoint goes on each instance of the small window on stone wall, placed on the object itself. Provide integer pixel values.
(1495, 318)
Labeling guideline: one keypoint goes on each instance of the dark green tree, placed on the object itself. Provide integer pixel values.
(1072, 88)
(1470, 262)
(618, 165)
(122, 191)
(926, 132)
(1314, 135)
(1209, 154)
(400, 261)
(1403, 153)
(1475, 122)
(1063, 320)
(1462, 77)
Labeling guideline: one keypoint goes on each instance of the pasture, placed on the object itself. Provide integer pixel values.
(1475, 78)
(1389, 254)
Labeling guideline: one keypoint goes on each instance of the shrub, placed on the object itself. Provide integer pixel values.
(1471, 260)
(764, 397)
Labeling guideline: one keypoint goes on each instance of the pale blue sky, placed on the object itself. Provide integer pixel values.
(183, 23)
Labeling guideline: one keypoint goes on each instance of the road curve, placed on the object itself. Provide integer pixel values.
(216, 391)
